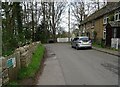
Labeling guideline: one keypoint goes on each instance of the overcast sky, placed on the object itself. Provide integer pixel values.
(64, 22)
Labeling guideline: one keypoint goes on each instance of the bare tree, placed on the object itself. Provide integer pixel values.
(78, 9)
(96, 5)
(60, 8)
(57, 10)
(83, 9)
(53, 20)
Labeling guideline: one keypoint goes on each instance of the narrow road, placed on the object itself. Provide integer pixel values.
(80, 67)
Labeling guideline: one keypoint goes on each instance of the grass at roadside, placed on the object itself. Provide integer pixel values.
(97, 45)
(12, 84)
(100, 46)
(33, 67)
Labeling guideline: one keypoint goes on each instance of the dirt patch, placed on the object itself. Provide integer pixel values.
(33, 81)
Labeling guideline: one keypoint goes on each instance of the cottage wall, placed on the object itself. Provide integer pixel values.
(99, 28)
(107, 11)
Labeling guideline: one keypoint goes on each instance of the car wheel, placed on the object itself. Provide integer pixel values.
(77, 47)
(90, 47)
(72, 46)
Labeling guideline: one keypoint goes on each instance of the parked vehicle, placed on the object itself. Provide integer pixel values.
(81, 42)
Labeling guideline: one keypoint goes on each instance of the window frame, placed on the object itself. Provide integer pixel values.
(118, 16)
(105, 20)
(104, 33)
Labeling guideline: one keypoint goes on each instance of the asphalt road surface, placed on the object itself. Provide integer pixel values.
(83, 67)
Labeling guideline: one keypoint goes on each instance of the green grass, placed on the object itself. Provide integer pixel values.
(113, 49)
(99, 46)
(12, 84)
(34, 65)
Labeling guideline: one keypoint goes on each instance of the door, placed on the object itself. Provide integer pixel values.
(108, 35)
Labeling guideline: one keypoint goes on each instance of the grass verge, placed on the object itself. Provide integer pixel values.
(97, 45)
(12, 84)
(33, 67)
(108, 48)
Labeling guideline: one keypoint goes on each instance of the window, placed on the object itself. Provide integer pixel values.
(75, 39)
(104, 33)
(83, 39)
(117, 16)
(105, 20)
(92, 24)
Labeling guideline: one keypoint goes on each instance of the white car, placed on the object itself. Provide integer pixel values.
(81, 42)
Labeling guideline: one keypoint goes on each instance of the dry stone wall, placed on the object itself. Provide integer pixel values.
(19, 59)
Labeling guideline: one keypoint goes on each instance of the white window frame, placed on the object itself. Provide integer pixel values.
(118, 16)
(92, 24)
(105, 20)
(104, 33)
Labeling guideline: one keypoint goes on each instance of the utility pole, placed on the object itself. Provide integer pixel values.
(69, 23)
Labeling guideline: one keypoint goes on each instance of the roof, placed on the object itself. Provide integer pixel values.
(106, 9)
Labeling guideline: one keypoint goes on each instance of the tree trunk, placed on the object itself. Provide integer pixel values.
(53, 22)
(33, 34)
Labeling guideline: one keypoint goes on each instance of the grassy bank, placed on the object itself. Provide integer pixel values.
(97, 45)
(33, 67)
(102, 46)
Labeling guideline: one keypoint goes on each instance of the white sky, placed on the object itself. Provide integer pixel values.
(64, 22)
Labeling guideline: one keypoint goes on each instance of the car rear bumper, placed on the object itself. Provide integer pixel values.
(84, 45)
